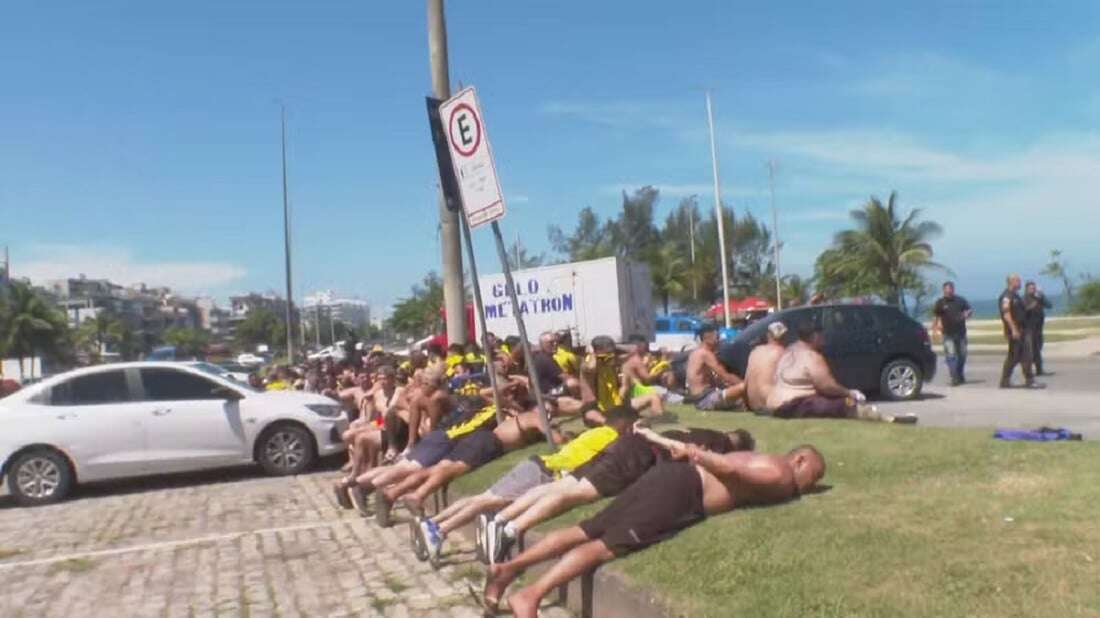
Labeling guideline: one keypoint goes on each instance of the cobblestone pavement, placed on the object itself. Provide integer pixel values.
(220, 544)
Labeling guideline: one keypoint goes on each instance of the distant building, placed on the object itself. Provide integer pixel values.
(321, 307)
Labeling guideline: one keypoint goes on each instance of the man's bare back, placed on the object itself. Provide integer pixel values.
(752, 479)
(760, 374)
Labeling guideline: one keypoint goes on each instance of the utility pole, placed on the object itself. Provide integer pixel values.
(718, 214)
(286, 243)
(454, 300)
(775, 241)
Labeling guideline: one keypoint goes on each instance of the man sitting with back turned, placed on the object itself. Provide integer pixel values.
(805, 386)
(760, 369)
(668, 498)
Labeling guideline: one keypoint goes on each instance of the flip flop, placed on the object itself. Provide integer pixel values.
(487, 610)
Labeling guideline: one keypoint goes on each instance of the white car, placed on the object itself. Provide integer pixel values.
(250, 359)
(135, 419)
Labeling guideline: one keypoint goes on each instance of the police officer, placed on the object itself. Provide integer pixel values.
(1035, 306)
(1012, 317)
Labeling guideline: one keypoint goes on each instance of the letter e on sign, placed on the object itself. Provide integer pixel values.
(479, 187)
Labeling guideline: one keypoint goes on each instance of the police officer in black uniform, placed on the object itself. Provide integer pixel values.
(1035, 306)
(1012, 317)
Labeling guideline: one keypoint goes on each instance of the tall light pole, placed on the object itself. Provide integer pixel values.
(775, 231)
(454, 301)
(718, 214)
(286, 246)
(691, 237)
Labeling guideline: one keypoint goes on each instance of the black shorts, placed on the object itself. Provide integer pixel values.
(477, 449)
(432, 448)
(667, 499)
(622, 463)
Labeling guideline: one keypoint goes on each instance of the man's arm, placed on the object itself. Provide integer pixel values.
(661, 441)
(758, 471)
(1006, 313)
(824, 382)
(730, 379)
(588, 377)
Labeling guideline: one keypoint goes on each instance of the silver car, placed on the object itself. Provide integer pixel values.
(135, 419)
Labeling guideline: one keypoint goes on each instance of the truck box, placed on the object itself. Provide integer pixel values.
(610, 296)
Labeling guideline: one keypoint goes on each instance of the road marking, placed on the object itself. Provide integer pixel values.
(214, 538)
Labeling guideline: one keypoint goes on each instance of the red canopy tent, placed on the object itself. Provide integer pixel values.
(744, 305)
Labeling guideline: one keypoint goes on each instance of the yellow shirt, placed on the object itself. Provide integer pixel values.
(579, 450)
(608, 394)
(477, 421)
(277, 385)
(567, 360)
(452, 361)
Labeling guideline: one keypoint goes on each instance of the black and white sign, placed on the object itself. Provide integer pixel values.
(472, 157)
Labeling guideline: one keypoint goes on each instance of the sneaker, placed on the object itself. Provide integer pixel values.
(905, 419)
(358, 497)
(1035, 386)
(1005, 385)
(493, 530)
(504, 546)
(483, 521)
(382, 508)
(342, 497)
(432, 538)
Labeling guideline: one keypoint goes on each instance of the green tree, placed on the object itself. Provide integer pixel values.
(669, 272)
(591, 238)
(31, 327)
(796, 290)
(189, 342)
(1057, 268)
(417, 315)
(884, 255)
(633, 234)
(102, 331)
(1087, 301)
(261, 327)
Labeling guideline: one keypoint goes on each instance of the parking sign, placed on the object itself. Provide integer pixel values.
(472, 158)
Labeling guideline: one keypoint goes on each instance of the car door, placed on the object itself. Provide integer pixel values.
(96, 420)
(188, 425)
(852, 346)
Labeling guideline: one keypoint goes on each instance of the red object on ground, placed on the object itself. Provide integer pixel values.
(749, 303)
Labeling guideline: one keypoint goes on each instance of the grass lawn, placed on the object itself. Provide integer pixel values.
(916, 521)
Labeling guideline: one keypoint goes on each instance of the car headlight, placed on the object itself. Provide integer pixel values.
(327, 410)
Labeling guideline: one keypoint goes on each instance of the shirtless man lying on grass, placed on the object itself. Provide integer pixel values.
(606, 476)
(669, 497)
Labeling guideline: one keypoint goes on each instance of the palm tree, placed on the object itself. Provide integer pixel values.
(884, 253)
(796, 290)
(669, 271)
(29, 326)
(99, 331)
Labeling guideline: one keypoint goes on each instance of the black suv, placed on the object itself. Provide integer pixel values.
(873, 348)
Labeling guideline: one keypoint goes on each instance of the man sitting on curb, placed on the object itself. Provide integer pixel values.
(805, 386)
(528, 475)
(617, 468)
(709, 384)
(668, 498)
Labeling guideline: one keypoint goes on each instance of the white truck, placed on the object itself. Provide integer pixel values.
(610, 296)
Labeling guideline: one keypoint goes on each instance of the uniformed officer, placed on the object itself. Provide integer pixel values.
(1012, 317)
(1035, 306)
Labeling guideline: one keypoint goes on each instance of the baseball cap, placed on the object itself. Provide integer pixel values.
(777, 329)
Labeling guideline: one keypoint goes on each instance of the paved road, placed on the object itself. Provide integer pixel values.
(1070, 400)
(219, 544)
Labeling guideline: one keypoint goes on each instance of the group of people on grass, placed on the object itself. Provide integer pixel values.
(423, 422)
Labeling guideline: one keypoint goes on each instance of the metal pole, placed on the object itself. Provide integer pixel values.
(480, 308)
(331, 328)
(691, 235)
(775, 230)
(454, 301)
(286, 242)
(544, 417)
(317, 325)
(718, 213)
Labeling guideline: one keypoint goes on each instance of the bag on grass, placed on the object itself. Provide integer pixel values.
(1042, 434)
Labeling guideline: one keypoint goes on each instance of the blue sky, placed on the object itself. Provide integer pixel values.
(139, 141)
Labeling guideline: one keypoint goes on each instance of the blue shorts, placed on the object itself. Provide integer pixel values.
(431, 449)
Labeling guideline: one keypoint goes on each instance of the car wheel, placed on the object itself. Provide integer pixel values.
(285, 449)
(38, 477)
(901, 380)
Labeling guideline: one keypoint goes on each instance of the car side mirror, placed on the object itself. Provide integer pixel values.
(226, 393)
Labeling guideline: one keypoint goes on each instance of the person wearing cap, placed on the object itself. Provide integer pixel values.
(760, 370)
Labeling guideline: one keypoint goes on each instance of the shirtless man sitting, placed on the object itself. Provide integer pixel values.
(642, 384)
(365, 439)
(669, 497)
(760, 369)
(805, 386)
(709, 383)
(606, 476)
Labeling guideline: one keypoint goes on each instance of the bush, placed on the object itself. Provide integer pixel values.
(1087, 301)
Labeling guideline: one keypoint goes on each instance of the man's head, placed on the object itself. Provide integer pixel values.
(741, 440)
(638, 344)
(473, 348)
(776, 331)
(603, 347)
(431, 379)
(810, 333)
(708, 334)
(1030, 287)
(455, 348)
(387, 376)
(435, 351)
(565, 339)
(255, 381)
(547, 343)
(808, 464)
(948, 289)
(621, 418)
(1013, 282)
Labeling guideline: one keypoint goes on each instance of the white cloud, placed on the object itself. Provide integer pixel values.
(47, 262)
(928, 75)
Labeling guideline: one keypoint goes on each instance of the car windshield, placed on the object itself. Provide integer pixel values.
(220, 372)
